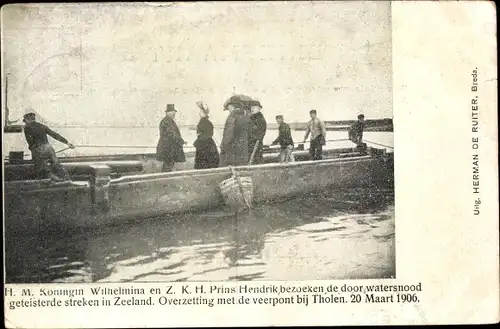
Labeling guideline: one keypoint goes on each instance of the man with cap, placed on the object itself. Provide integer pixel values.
(170, 145)
(284, 140)
(317, 129)
(356, 134)
(41, 151)
(258, 127)
(234, 145)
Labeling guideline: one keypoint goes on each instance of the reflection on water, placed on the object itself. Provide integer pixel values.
(330, 235)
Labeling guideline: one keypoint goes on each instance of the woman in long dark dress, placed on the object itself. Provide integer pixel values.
(207, 155)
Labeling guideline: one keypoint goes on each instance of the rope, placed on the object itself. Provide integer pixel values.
(347, 139)
(392, 147)
(338, 140)
(122, 146)
(334, 140)
(64, 149)
(24, 155)
(115, 146)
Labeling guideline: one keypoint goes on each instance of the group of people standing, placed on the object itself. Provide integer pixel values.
(243, 136)
(242, 139)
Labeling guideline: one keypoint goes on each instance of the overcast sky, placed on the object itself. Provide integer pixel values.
(114, 64)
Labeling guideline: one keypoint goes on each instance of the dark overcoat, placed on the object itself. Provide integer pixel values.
(207, 155)
(285, 136)
(234, 145)
(170, 144)
(258, 127)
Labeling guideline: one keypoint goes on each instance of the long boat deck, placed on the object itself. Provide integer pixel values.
(103, 198)
(137, 163)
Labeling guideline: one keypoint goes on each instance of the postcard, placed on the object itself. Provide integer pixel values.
(249, 163)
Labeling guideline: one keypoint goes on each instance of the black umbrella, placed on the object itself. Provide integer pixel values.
(243, 100)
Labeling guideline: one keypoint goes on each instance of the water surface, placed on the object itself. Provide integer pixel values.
(329, 235)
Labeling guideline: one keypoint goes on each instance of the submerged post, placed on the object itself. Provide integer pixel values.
(100, 178)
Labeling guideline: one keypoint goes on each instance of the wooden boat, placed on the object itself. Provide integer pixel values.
(126, 188)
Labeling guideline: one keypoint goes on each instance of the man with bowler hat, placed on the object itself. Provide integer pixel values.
(170, 145)
(41, 151)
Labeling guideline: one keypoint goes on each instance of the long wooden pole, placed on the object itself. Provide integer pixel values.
(253, 152)
(6, 122)
(240, 185)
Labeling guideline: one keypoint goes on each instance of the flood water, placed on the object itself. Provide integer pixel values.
(334, 234)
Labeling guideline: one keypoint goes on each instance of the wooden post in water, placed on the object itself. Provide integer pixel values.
(100, 178)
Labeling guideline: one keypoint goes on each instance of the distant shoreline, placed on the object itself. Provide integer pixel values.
(384, 125)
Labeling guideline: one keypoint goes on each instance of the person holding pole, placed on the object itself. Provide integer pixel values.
(258, 127)
(41, 151)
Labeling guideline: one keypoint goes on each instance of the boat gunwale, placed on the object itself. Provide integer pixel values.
(83, 163)
(44, 185)
(205, 172)
(11, 187)
(79, 159)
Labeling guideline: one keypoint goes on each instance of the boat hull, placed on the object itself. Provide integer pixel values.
(36, 206)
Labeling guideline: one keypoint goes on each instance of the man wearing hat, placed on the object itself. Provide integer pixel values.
(234, 145)
(317, 129)
(258, 127)
(41, 151)
(170, 145)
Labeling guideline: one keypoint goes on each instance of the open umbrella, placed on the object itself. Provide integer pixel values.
(237, 191)
(242, 100)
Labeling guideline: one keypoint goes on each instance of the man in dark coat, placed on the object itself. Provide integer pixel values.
(356, 134)
(234, 145)
(207, 155)
(170, 145)
(41, 151)
(284, 140)
(258, 129)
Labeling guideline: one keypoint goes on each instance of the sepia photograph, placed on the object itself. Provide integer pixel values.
(228, 141)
